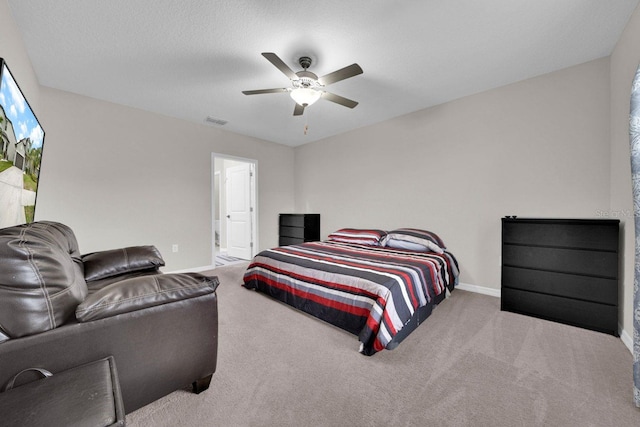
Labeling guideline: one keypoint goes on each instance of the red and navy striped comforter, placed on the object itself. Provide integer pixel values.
(370, 291)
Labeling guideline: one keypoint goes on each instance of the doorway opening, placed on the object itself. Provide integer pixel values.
(234, 209)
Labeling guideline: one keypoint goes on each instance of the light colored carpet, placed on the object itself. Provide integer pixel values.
(469, 364)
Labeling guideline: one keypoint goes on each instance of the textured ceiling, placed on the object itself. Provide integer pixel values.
(192, 58)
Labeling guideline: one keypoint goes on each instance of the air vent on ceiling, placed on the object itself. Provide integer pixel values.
(214, 121)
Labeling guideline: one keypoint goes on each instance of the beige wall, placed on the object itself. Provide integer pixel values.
(537, 148)
(624, 62)
(122, 176)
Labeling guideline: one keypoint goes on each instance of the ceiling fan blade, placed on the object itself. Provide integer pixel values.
(280, 65)
(259, 91)
(339, 99)
(298, 110)
(341, 74)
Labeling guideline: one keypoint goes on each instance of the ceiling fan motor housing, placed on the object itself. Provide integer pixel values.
(306, 79)
(305, 62)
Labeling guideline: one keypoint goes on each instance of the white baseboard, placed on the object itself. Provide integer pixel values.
(626, 338)
(479, 289)
(193, 270)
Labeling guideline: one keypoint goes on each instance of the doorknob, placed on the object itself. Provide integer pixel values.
(229, 216)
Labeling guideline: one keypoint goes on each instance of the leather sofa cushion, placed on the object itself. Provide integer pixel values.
(100, 265)
(96, 285)
(41, 277)
(142, 292)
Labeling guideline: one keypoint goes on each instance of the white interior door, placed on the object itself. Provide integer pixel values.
(238, 217)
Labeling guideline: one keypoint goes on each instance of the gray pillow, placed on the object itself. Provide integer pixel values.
(414, 239)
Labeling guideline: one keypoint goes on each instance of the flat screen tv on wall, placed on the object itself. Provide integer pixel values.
(21, 139)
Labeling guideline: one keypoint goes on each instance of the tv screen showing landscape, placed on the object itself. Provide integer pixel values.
(21, 139)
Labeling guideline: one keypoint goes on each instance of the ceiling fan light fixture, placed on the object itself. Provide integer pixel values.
(305, 96)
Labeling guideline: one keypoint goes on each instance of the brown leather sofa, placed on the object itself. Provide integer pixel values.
(60, 309)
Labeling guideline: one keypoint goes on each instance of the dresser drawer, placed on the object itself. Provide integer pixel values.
(580, 235)
(585, 314)
(285, 241)
(571, 261)
(292, 232)
(594, 289)
(292, 220)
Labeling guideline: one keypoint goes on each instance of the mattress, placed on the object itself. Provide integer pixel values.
(370, 291)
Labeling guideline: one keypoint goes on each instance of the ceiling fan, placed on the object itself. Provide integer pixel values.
(307, 88)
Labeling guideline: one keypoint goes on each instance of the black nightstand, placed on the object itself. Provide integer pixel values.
(299, 228)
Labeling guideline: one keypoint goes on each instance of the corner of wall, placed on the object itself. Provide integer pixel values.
(15, 54)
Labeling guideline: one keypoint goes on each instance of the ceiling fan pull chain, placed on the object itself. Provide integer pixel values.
(306, 123)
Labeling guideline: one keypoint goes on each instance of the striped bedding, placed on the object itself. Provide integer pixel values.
(370, 291)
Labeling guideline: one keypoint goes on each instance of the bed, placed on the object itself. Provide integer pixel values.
(377, 285)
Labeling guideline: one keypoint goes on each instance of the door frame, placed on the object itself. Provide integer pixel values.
(254, 199)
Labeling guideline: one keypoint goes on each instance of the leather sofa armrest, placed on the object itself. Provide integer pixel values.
(143, 292)
(103, 264)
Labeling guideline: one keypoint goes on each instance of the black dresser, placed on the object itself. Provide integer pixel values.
(565, 270)
(299, 228)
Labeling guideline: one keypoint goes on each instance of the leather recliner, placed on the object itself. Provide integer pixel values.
(60, 309)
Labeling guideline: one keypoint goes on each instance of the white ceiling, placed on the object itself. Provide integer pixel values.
(192, 58)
